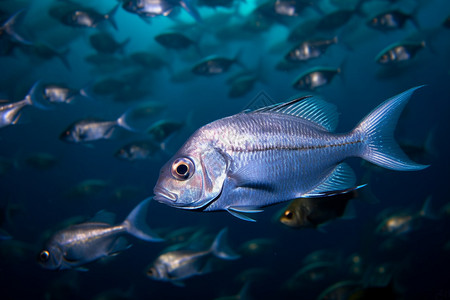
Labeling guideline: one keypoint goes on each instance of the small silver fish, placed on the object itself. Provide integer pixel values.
(399, 52)
(278, 153)
(176, 266)
(59, 93)
(309, 49)
(153, 8)
(86, 17)
(315, 77)
(392, 19)
(89, 130)
(86, 242)
(404, 222)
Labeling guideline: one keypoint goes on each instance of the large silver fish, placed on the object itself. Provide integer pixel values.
(278, 153)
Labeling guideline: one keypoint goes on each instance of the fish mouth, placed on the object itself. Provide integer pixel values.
(163, 195)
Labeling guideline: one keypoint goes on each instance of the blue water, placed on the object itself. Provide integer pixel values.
(420, 259)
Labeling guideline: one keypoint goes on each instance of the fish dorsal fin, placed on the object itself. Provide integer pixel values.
(342, 178)
(104, 216)
(311, 108)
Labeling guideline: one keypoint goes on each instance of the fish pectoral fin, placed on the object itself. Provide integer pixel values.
(238, 212)
(340, 180)
(118, 246)
(178, 283)
(81, 269)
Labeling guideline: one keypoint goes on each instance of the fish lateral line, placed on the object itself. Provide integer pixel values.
(302, 148)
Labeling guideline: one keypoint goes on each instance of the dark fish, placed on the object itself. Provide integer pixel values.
(41, 160)
(217, 3)
(175, 266)
(315, 77)
(87, 17)
(47, 52)
(244, 162)
(310, 49)
(446, 22)
(149, 60)
(153, 8)
(311, 275)
(174, 40)
(87, 188)
(392, 19)
(214, 65)
(335, 20)
(399, 53)
(163, 129)
(104, 42)
(138, 150)
(340, 290)
(314, 212)
(89, 130)
(83, 243)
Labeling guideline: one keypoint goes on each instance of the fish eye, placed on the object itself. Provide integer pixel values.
(44, 256)
(182, 168)
(288, 214)
(149, 272)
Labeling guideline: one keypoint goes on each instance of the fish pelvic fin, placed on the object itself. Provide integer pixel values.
(135, 223)
(220, 247)
(377, 130)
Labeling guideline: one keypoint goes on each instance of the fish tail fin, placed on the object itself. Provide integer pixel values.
(426, 210)
(136, 225)
(377, 130)
(190, 8)
(35, 99)
(220, 247)
(122, 46)
(63, 57)
(8, 27)
(110, 16)
(124, 122)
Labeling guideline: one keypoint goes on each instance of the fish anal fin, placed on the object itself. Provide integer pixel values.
(340, 180)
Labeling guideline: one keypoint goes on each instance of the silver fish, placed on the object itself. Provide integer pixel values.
(153, 8)
(87, 17)
(59, 93)
(310, 49)
(315, 77)
(89, 130)
(278, 153)
(10, 113)
(176, 266)
(399, 53)
(86, 242)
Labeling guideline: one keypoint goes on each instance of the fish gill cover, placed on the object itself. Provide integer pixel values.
(100, 95)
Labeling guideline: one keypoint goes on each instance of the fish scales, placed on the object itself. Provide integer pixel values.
(288, 148)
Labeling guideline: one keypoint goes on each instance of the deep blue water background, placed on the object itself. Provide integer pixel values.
(421, 258)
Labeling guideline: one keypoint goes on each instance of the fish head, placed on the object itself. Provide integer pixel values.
(69, 135)
(51, 257)
(192, 179)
